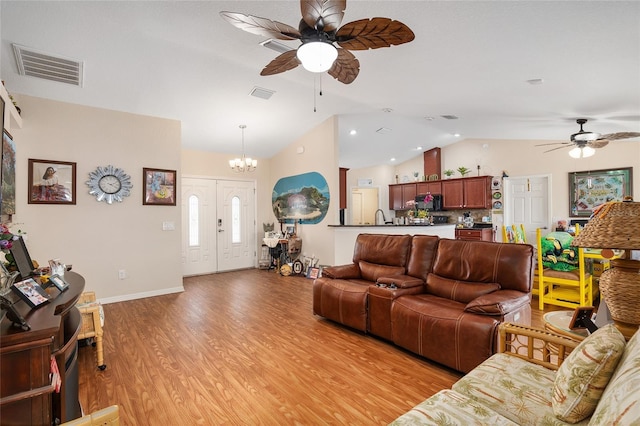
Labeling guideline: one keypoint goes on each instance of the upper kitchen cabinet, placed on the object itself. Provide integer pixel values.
(434, 188)
(399, 195)
(467, 193)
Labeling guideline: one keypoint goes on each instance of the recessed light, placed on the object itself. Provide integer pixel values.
(457, 135)
(418, 148)
(353, 132)
(393, 159)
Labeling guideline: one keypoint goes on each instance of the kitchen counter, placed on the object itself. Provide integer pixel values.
(345, 235)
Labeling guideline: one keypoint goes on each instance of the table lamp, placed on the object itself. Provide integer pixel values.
(616, 225)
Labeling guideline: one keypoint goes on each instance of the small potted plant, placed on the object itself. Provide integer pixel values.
(463, 170)
(448, 173)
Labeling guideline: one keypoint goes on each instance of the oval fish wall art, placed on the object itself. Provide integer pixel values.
(301, 198)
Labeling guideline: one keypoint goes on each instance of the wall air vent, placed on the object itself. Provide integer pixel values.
(449, 117)
(261, 93)
(274, 45)
(383, 130)
(43, 65)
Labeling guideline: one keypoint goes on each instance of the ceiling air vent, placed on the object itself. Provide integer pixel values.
(43, 65)
(274, 45)
(261, 93)
(449, 117)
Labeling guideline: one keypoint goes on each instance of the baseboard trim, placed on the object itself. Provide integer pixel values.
(135, 296)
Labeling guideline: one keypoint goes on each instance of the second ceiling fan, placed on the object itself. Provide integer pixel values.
(318, 30)
(585, 143)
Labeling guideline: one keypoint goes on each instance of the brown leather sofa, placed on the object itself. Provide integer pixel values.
(442, 299)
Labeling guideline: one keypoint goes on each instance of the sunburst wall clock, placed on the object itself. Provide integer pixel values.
(109, 184)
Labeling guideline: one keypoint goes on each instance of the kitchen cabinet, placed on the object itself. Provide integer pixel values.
(432, 187)
(399, 195)
(467, 193)
(474, 234)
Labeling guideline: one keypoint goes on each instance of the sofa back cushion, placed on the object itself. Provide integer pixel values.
(392, 250)
(460, 291)
(373, 271)
(510, 265)
(585, 373)
(423, 252)
(619, 402)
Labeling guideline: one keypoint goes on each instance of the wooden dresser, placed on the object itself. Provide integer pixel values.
(474, 234)
(27, 395)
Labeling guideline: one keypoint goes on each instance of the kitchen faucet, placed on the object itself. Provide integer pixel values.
(384, 219)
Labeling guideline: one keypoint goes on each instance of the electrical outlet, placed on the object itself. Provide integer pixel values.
(122, 274)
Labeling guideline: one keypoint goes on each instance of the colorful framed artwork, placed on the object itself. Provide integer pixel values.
(159, 187)
(52, 182)
(8, 194)
(31, 292)
(589, 189)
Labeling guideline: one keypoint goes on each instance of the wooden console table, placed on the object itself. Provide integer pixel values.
(27, 395)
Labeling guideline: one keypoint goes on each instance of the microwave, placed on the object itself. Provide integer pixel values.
(435, 205)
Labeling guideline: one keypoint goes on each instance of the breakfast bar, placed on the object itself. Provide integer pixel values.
(345, 235)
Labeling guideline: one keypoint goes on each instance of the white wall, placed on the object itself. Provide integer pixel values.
(100, 239)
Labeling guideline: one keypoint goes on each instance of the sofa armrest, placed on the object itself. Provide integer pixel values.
(535, 345)
(401, 281)
(343, 272)
(499, 302)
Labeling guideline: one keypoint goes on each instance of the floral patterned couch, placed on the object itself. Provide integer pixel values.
(539, 378)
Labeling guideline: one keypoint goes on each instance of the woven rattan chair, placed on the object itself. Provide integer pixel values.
(563, 288)
(91, 312)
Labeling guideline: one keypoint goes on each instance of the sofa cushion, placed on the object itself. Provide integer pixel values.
(514, 388)
(372, 271)
(460, 291)
(584, 374)
(450, 408)
(619, 402)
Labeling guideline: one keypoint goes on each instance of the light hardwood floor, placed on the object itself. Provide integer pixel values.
(244, 348)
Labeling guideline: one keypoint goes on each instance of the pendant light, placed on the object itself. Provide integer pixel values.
(243, 164)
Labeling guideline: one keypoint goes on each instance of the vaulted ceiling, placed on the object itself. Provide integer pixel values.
(479, 61)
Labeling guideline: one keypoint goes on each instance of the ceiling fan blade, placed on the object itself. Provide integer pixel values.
(600, 143)
(554, 143)
(373, 33)
(284, 62)
(323, 15)
(346, 67)
(620, 135)
(555, 149)
(261, 26)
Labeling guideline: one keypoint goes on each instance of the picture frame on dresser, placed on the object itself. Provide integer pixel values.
(51, 182)
(59, 282)
(159, 187)
(31, 292)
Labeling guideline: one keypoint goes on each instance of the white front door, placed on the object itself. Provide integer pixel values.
(527, 202)
(236, 225)
(198, 226)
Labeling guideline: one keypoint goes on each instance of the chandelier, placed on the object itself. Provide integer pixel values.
(243, 164)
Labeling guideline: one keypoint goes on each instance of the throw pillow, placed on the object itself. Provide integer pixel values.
(583, 376)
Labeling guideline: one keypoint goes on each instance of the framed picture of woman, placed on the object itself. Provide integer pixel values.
(52, 182)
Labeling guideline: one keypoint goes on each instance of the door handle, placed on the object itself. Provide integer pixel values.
(220, 230)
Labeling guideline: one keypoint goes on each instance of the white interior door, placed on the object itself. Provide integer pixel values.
(236, 225)
(527, 201)
(198, 226)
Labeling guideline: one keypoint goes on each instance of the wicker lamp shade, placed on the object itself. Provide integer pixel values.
(616, 225)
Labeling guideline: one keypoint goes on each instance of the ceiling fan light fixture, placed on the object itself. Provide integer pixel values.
(582, 152)
(317, 56)
(585, 136)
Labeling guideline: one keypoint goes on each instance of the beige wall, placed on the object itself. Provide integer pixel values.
(100, 239)
(320, 155)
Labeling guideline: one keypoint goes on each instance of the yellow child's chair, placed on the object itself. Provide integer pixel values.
(568, 288)
(92, 321)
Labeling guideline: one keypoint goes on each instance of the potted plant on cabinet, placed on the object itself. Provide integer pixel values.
(448, 173)
(463, 170)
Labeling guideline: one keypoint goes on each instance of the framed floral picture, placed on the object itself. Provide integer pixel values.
(159, 187)
(52, 182)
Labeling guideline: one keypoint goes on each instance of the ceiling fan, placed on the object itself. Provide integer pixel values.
(585, 143)
(318, 30)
